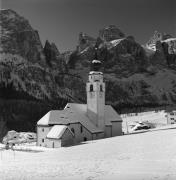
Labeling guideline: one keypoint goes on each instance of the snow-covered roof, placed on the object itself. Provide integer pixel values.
(95, 72)
(44, 120)
(96, 61)
(77, 113)
(57, 131)
(110, 113)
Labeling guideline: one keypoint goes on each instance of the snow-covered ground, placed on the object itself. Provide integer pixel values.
(146, 156)
(157, 119)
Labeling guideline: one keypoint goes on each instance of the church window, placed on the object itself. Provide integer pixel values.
(42, 129)
(81, 128)
(101, 87)
(91, 87)
(73, 131)
(43, 140)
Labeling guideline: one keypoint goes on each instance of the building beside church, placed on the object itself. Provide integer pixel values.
(81, 122)
(171, 117)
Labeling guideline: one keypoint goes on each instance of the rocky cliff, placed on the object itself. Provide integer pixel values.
(110, 33)
(164, 46)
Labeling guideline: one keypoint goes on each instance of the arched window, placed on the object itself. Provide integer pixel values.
(73, 131)
(91, 87)
(81, 128)
(101, 87)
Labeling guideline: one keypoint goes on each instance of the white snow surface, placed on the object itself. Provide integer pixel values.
(145, 156)
(170, 39)
(116, 41)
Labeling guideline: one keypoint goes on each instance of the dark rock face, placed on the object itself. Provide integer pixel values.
(160, 54)
(53, 57)
(85, 41)
(164, 46)
(117, 56)
(111, 33)
(18, 37)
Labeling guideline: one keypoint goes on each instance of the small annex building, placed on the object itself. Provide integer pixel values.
(81, 122)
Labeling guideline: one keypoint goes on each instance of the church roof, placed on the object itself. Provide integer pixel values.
(57, 131)
(77, 113)
(110, 113)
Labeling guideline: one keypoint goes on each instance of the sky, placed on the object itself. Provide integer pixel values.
(61, 21)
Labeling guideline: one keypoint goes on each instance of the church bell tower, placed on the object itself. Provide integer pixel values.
(96, 95)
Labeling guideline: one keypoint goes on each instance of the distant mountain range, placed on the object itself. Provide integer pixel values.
(35, 79)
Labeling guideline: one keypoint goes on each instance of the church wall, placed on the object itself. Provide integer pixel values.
(92, 107)
(53, 143)
(80, 136)
(116, 128)
(42, 132)
(67, 139)
(98, 136)
(101, 135)
(95, 136)
(108, 131)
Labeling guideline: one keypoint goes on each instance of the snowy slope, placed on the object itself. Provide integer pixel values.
(146, 156)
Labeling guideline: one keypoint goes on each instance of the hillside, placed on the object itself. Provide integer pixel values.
(144, 156)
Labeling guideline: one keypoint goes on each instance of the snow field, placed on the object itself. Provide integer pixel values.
(145, 156)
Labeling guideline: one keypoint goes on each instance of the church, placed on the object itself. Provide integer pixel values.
(81, 122)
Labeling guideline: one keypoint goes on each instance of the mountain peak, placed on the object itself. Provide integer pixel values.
(18, 37)
(157, 36)
(85, 41)
(110, 33)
